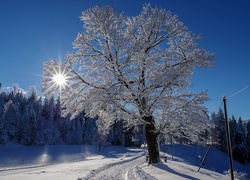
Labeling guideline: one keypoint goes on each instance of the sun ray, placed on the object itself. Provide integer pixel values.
(59, 79)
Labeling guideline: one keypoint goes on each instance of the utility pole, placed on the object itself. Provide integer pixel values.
(230, 157)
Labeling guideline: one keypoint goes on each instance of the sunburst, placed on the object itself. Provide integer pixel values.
(60, 79)
(56, 76)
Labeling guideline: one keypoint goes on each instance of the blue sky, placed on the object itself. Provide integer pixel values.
(33, 31)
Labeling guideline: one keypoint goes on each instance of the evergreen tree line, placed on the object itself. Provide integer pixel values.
(239, 135)
(32, 120)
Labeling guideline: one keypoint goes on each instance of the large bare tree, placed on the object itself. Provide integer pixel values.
(136, 69)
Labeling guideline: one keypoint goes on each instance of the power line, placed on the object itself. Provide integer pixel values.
(219, 103)
(234, 94)
(239, 91)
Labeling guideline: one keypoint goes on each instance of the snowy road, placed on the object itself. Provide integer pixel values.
(123, 170)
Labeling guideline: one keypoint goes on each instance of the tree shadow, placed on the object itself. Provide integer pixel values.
(169, 170)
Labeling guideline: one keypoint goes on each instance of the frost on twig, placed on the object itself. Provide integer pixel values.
(131, 68)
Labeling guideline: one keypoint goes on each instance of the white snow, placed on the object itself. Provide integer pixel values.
(85, 162)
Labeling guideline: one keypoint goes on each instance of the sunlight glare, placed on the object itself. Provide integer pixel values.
(59, 79)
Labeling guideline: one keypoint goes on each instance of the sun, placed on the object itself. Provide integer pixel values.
(59, 79)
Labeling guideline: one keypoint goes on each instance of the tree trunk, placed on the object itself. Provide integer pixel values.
(151, 137)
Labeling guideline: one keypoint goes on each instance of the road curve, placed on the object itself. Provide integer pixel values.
(122, 170)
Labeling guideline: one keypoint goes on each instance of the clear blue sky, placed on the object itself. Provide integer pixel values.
(33, 31)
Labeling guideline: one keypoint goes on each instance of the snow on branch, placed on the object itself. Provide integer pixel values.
(132, 68)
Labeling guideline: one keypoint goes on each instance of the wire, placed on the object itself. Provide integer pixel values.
(220, 102)
(239, 91)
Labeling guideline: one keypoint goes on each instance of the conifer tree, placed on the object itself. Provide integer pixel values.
(240, 148)
(29, 128)
(220, 122)
(248, 137)
(233, 127)
(3, 135)
(10, 120)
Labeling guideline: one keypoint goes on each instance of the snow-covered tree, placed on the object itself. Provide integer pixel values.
(115, 136)
(28, 131)
(240, 126)
(79, 128)
(3, 134)
(48, 112)
(214, 131)
(239, 147)
(33, 96)
(57, 114)
(132, 68)
(248, 137)
(220, 123)
(10, 121)
(232, 127)
(103, 125)
(139, 136)
(90, 131)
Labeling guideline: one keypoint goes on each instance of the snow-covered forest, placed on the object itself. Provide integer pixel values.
(239, 135)
(32, 120)
(28, 119)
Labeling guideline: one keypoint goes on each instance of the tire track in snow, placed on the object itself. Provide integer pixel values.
(121, 170)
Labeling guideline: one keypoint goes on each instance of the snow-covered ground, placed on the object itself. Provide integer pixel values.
(85, 162)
